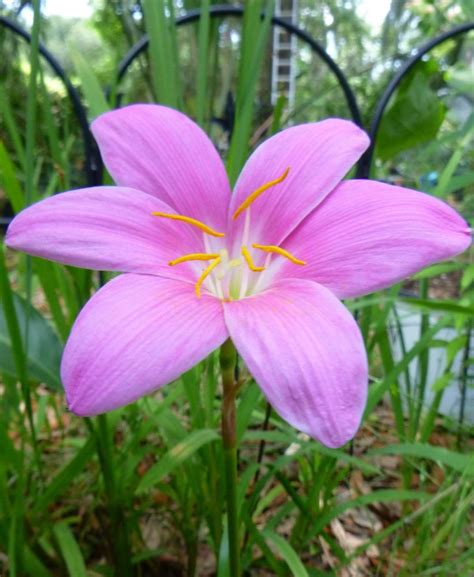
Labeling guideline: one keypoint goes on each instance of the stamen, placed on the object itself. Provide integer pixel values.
(189, 220)
(193, 256)
(248, 259)
(280, 251)
(256, 193)
(207, 271)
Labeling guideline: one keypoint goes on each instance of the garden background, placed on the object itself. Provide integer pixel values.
(138, 491)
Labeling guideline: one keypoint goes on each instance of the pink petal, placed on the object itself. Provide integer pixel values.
(319, 156)
(161, 151)
(105, 228)
(305, 351)
(369, 235)
(134, 336)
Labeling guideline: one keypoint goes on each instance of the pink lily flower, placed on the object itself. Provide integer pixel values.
(265, 266)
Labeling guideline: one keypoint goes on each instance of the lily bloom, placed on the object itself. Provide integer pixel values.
(265, 266)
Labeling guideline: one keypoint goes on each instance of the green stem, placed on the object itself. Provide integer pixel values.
(228, 359)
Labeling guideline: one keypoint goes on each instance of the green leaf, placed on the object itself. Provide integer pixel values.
(70, 550)
(176, 456)
(379, 388)
(287, 552)
(443, 305)
(249, 400)
(461, 78)
(467, 277)
(457, 461)
(382, 496)
(459, 152)
(33, 566)
(164, 56)
(453, 348)
(415, 115)
(255, 32)
(438, 269)
(459, 182)
(441, 382)
(203, 48)
(44, 347)
(94, 96)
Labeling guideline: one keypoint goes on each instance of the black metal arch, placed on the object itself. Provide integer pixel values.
(237, 11)
(365, 163)
(92, 157)
(91, 154)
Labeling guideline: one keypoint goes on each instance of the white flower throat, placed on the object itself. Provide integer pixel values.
(231, 276)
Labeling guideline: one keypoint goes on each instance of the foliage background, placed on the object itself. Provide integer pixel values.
(139, 491)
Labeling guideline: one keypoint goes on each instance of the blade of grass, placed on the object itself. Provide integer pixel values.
(164, 58)
(456, 461)
(176, 456)
(203, 53)
(255, 32)
(378, 389)
(287, 552)
(12, 128)
(45, 271)
(31, 118)
(70, 550)
(93, 93)
(9, 180)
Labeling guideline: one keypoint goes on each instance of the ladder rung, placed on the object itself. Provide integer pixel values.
(284, 45)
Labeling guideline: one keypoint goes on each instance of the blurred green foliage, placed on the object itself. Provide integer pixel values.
(119, 494)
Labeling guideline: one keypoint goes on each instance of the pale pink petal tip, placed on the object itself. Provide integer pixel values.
(306, 353)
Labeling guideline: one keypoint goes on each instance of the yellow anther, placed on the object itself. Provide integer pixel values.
(193, 256)
(249, 261)
(256, 193)
(207, 271)
(189, 220)
(280, 251)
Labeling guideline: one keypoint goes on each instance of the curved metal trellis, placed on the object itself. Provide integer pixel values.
(365, 164)
(91, 155)
(237, 11)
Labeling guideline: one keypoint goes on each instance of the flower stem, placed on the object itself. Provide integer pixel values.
(228, 358)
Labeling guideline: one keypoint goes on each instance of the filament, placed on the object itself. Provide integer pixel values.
(207, 271)
(248, 259)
